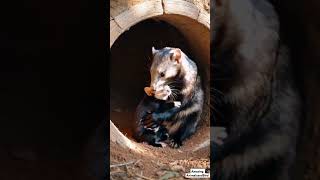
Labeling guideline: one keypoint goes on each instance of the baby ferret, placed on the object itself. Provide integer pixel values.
(147, 128)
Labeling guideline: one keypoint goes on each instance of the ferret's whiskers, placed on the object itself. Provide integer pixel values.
(172, 97)
(216, 90)
(175, 95)
(215, 110)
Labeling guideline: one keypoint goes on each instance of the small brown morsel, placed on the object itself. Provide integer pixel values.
(149, 91)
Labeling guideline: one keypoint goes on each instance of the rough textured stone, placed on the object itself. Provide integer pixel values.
(119, 6)
(115, 31)
(204, 18)
(126, 13)
(139, 12)
(181, 7)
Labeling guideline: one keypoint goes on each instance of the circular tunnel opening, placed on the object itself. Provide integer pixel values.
(131, 59)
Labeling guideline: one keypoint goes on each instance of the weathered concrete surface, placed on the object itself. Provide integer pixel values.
(126, 13)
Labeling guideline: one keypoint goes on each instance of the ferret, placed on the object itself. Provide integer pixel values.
(175, 76)
(147, 129)
(260, 104)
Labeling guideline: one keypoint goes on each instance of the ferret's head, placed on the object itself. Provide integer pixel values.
(166, 65)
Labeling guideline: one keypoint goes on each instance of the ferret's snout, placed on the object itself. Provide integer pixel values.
(159, 89)
(157, 85)
(153, 87)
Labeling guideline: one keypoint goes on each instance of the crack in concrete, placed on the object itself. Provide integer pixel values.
(115, 21)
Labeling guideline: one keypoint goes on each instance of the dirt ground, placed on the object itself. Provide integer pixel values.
(160, 163)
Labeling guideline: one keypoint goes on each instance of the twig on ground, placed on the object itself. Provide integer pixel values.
(122, 164)
(143, 177)
(202, 145)
(116, 172)
(137, 162)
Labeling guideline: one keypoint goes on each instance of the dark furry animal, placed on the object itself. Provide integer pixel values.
(257, 97)
(149, 129)
(174, 72)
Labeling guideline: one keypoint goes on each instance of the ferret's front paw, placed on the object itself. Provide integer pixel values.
(148, 122)
(177, 103)
(162, 144)
(175, 144)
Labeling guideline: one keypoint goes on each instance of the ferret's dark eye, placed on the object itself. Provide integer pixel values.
(162, 74)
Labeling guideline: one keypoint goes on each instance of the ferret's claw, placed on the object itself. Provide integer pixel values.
(174, 144)
(163, 144)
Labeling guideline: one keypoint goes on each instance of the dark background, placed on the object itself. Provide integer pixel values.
(300, 26)
(53, 86)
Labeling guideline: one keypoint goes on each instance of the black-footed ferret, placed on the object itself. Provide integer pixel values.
(148, 129)
(175, 76)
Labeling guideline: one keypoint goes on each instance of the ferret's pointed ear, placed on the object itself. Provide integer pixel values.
(176, 55)
(154, 51)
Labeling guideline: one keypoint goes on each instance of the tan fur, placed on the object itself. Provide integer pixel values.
(173, 126)
(189, 111)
